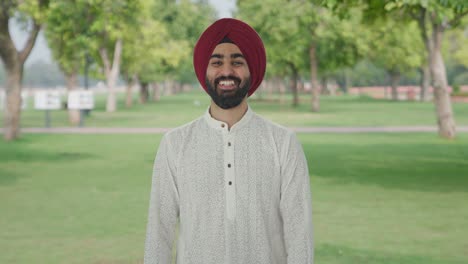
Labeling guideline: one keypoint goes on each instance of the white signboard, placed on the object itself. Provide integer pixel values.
(3, 100)
(81, 99)
(24, 100)
(47, 100)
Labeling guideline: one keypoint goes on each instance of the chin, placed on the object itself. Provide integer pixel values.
(228, 99)
(227, 93)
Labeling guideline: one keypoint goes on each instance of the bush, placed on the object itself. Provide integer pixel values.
(460, 79)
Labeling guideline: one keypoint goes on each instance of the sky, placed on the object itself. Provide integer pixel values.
(41, 51)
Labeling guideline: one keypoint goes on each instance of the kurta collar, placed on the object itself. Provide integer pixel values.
(219, 125)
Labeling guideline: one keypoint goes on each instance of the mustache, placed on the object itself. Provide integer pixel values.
(226, 78)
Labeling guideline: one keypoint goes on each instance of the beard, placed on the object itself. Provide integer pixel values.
(228, 99)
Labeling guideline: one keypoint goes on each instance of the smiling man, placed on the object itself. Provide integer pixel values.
(236, 183)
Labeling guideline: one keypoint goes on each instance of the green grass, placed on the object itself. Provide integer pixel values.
(377, 198)
(178, 109)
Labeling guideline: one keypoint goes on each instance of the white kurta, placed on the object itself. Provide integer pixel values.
(240, 195)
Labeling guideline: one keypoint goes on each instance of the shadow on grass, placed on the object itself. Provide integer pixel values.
(419, 167)
(25, 155)
(20, 154)
(8, 177)
(331, 254)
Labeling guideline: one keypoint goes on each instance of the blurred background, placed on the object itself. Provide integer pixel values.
(376, 90)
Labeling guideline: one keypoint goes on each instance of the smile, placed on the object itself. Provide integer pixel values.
(227, 85)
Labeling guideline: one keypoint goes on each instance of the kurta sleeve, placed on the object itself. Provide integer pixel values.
(295, 204)
(163, 208)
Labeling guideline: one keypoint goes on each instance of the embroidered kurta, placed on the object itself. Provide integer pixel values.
(239, 195)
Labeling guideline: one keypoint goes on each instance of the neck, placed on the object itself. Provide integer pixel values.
(229, 116)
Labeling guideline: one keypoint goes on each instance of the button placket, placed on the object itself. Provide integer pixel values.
(230, 176)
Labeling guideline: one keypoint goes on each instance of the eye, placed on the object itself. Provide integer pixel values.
(238, 63)
(216, 63)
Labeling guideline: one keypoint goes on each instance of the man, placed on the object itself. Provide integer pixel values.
(237, 184)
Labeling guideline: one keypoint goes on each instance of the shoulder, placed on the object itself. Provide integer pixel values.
(283, 139)
(173, 140)
(178, 134)
(277, 131)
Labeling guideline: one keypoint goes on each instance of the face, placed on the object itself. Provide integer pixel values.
(227, 76)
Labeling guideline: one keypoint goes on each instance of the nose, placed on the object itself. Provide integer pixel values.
(227, 69)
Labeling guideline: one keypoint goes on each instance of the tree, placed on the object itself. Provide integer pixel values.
(455, 53)
(160, 50)
(32, 13)
(434, 17)
(395, 46)
(67, 34)
(102, 25)
(277, 23)
(112, 21)
(185, 21)
(149, 53)
(339, 43)
(301, 35)
(441, 15)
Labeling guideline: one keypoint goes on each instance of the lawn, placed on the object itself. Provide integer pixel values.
(178, 109)
(377, 198)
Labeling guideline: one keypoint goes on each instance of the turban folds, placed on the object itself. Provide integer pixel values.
(242, 35)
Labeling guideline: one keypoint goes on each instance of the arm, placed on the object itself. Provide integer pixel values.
(295, 204)
(163, 209)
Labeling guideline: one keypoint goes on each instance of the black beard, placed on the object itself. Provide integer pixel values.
(230, 99)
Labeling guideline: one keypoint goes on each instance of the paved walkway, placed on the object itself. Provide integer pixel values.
(160, 130)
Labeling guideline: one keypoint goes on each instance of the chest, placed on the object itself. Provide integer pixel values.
(223, 167)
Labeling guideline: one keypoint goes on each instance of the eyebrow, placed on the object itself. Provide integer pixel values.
(233, 56)
(237, 55)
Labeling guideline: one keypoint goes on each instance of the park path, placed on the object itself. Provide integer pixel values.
(160, 130)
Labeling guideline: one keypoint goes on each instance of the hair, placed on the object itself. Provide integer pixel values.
(226, 40)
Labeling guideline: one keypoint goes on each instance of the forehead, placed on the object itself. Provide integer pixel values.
(226, 49)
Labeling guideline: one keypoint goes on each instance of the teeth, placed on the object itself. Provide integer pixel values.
(226, 83)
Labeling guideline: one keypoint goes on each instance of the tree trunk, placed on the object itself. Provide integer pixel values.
(425, 68)
(270, 88)
(443, 104)
(112, 73)
(129, 91)
(394, 81)
(347, 81)
(282, 90)
(333, 87)
(144, 93)
(259, 91)
(178, 87)
(156, 92)
(73, 114)
(12, 111)
(300, 86)
(315, 89)
(293, 85)
(129, 95)
(175, 87)
(324, 85)
(425, 81)
(168, 87)
(13, 61)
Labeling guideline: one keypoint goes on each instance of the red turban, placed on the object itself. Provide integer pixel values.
(242, 35)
